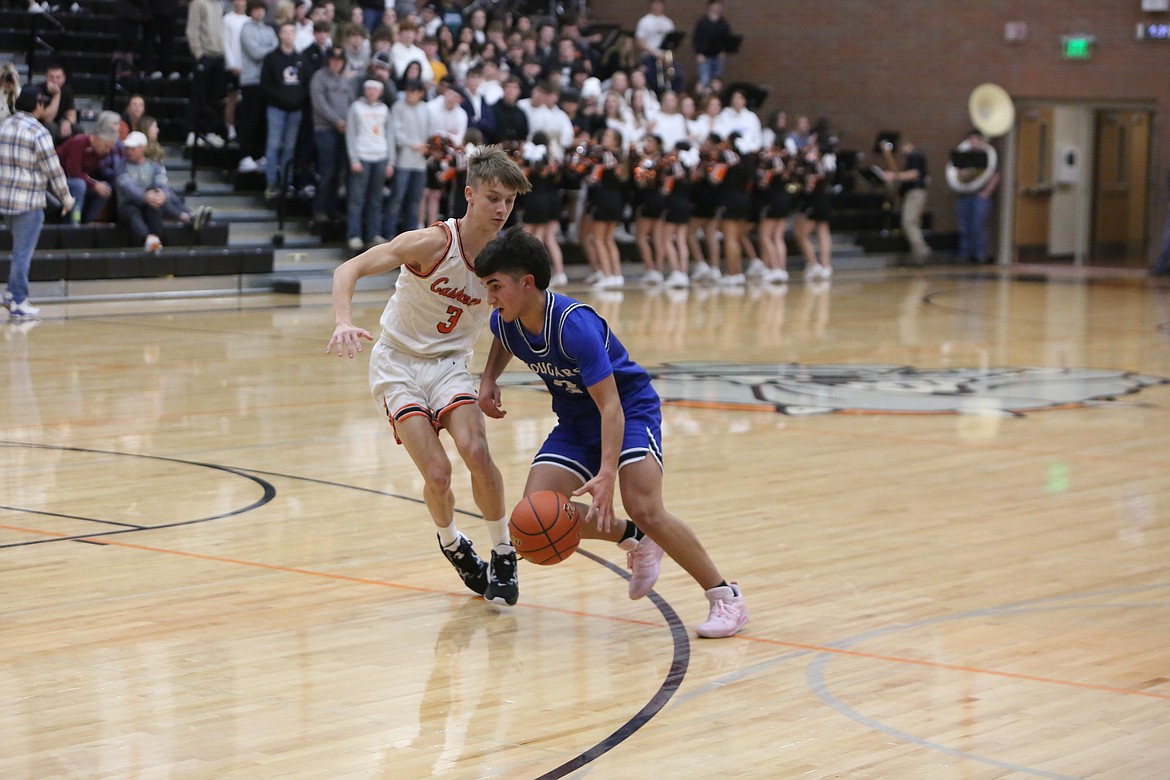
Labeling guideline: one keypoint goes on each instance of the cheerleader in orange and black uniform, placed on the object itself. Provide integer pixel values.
(776, 185)
(816, 209)
(706, 181)
(676, 175)
(649, 203)
(542, 206)
(737, 206)
(607, 195)
(440, 173)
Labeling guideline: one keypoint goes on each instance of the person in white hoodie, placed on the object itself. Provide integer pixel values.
(406, 51)
(370, 142)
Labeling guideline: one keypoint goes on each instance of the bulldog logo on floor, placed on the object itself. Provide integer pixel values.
(796, 389)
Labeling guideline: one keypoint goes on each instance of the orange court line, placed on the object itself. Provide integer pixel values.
(307, 572)
(762, 640)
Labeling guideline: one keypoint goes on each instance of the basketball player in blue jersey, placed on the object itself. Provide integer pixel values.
(608, 420)
(418, 367)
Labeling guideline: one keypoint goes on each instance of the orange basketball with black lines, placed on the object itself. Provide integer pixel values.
(544, 528)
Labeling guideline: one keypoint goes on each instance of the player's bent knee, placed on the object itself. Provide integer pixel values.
(437, 476)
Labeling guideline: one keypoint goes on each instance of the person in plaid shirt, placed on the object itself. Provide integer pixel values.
(27, 163)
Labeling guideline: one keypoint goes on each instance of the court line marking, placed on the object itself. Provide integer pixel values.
(815, 671)
(842, 651)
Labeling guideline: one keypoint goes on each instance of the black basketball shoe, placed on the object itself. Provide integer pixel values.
(471, 568)
(503, 587)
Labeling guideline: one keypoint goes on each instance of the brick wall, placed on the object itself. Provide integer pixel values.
(909, 65)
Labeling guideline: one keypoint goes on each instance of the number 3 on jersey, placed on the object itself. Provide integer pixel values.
(452, 321)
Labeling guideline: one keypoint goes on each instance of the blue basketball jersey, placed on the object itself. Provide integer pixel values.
(575, 350)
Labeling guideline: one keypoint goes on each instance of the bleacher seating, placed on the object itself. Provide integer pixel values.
(100, 251)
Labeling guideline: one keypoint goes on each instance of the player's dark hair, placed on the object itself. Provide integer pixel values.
(515, 252)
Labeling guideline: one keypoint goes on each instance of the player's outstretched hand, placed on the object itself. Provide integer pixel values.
(601, 513)
(348, 339)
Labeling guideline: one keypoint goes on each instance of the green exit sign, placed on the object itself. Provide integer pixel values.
(1078, 47)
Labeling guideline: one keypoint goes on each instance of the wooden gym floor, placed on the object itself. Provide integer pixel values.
(955, 545)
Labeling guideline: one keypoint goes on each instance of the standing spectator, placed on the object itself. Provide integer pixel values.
(406, 51)
(369, 141)
(160, 38)
(710, 39)
(132, 16)
(448, 117)
(28, 163)
(81, 158)
(480, 113)
(317, 50)
(430, 47)
(233, 25)
(511, 119)
(382, 69)
(61, 114)
(546, 47)
(257, 41)
(287, 94)
(356, 40)
(205, 40)
(650, 33)
(145, 198)
(413, 127)
(315, 53)
(738, 118)
(329, 94)
(430, 18)
(544, 114)
(372, 11)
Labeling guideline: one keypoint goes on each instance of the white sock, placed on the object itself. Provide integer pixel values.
(500, 536)
(449, 535)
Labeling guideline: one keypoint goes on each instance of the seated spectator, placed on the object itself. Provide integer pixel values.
(511, 119)
(148, 126)
(81, 157)
(145, 198)
(132, 116)
(61, 113)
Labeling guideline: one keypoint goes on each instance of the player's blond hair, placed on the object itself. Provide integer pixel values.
(493, 164)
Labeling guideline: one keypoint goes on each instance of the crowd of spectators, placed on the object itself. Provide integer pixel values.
(369, 112)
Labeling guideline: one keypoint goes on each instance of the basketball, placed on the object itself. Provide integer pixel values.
(544, 528)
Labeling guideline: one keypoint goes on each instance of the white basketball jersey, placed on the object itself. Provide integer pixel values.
(440, 311)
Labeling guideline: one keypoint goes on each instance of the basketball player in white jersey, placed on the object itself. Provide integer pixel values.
(419, 365)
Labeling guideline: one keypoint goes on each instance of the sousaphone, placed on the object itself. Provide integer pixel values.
(993, 114)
